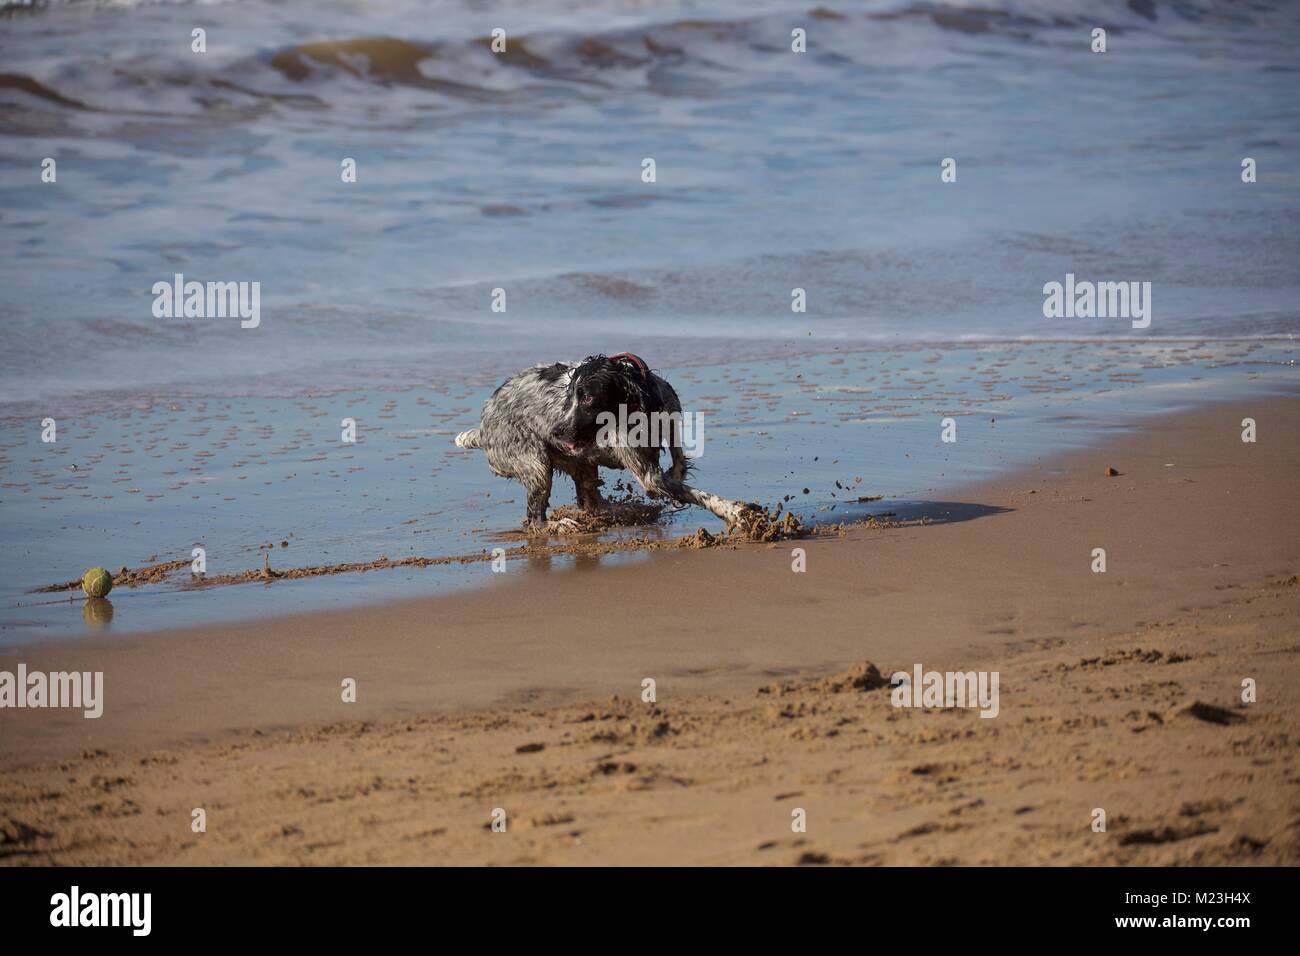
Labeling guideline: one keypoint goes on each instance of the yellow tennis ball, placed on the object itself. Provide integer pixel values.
(97, 583)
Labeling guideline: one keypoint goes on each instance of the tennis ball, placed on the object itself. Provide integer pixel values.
(97, 583)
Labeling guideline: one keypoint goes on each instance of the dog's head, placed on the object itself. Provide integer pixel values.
(599, 386)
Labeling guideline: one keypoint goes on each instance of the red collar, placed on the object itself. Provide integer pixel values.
(633, 360)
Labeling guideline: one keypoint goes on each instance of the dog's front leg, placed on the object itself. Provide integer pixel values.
(726, 509)
(660, 485)
(586, 479)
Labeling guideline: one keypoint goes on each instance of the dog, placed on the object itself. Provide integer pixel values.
(552, 418)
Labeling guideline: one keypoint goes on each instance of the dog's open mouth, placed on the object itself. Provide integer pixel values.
(573, 444)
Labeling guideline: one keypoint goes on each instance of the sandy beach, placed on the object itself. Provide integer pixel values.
(965, 335)
(1120, 691)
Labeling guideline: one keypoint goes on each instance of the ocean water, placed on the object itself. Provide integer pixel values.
(522, 172)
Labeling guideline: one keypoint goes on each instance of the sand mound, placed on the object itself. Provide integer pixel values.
(860, 677)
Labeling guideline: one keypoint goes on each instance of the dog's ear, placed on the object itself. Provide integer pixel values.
(629, 389)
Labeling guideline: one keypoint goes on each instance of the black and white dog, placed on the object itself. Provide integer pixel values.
(551, 417)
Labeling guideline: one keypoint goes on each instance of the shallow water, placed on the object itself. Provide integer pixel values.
(149, 483)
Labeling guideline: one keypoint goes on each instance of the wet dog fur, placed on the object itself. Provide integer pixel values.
(548, 418)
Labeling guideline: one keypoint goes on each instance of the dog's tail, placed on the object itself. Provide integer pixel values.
(469, 439)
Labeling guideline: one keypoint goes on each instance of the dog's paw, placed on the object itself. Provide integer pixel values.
(744, 513)
(756, 523)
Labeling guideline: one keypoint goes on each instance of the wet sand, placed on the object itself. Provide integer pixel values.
(527, 696)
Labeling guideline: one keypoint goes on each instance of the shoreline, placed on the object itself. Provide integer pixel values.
(484, 699)
(132, 491)
(435, 633)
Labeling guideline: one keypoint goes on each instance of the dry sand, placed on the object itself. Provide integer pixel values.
(485, 699)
